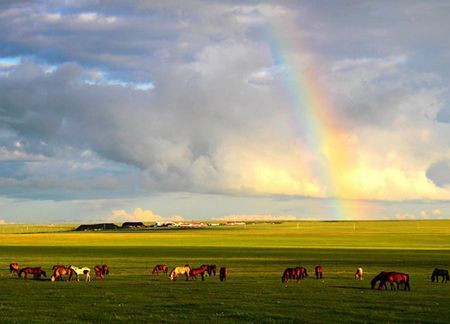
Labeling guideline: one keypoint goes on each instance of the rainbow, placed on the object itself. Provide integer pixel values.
(314, 116)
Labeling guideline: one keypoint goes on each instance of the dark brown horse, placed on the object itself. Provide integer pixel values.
(199, 271)
(13, 268)
(211, 269)
(59, 271)
(440, 273)
(318, 270)
(223, 273)
(160, 267)
(101, 271)
(36, 272)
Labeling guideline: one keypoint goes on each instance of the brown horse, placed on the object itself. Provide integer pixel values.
(199, 271)
(13, 268)
(101, 271)
(59, 271)
(319, 272)
(289, 274)
(223, 273)
(36, 272)
(394, 278)
(160, 267)
(300, 273)
(211, 269)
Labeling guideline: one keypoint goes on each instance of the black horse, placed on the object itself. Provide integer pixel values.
(440, 273)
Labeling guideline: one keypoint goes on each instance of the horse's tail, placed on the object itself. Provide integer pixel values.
(172, 274)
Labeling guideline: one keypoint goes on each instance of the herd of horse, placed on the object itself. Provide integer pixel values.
(59, 271)
(189, 272)
(396, 280)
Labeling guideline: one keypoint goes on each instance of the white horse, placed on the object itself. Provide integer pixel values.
(186, 270)
(80, 271)
(359, 273)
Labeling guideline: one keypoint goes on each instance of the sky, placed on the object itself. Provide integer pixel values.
(159, 110)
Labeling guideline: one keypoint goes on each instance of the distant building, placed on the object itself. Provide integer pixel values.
(97, 227)
(133, 225)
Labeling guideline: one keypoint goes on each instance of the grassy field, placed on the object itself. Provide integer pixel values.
(255, 255)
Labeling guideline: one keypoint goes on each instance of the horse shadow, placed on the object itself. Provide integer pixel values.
(352, 287)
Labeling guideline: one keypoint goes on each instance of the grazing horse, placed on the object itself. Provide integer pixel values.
(289, 274)
(186, 270)
(199, 271)
(80, 271)
(319, 272)
(399, 278)
(359, 273)
(101, 271)
(160, 267)
(440, 273)
(223, 273)
(13, 268)
(210, 268)
(300, 273)
(36, 272)
(393, 278)
(59, 271)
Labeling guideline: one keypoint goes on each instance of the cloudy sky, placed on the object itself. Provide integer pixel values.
(114, 110)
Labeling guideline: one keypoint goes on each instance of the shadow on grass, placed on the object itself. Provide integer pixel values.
(352, 287)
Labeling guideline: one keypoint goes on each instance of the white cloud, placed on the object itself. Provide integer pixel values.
(141, 215)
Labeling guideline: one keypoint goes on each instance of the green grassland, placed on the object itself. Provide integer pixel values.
(255, 254)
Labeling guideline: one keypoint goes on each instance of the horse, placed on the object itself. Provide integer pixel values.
(36, 272)
(319, 272)
(13, 268)
(210, 269)
(101, 271)
(186, 270)
(393, 278)
(300, 273)
(440, 273)
(59, 271)
(289, 274)
(223, 273)
(199, 271)
(80, 271)
(400, 279)
(359, 273)
(160, 267)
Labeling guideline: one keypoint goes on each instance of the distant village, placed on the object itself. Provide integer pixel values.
(141, 225)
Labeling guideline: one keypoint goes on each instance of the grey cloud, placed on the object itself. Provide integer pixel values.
(439, 173)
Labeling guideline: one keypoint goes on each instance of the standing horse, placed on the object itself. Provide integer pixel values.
(440, 273)
(223, 273)
(36, 272)
(199, 271)
(186, 270)
(80, 271)
(160, 267)
(101, 271)
(399, 279)
(59, 271)
(319, 272)
(210, 268)
(13, 268)
(359, 273)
